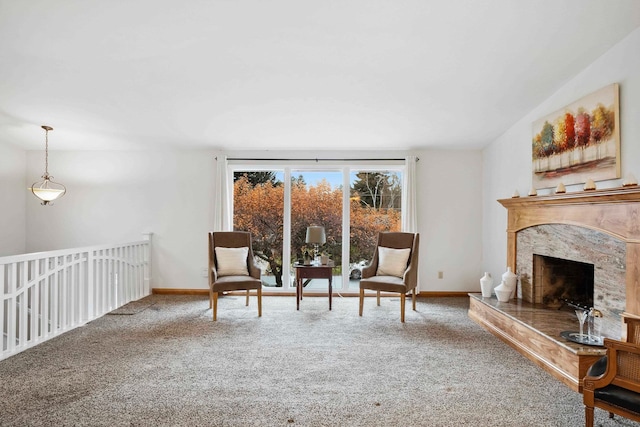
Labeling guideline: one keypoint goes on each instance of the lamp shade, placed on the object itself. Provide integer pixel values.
(315, 235)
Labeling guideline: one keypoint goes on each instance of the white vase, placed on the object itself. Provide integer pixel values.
(510, 279)
(503, 293)
(486, 285)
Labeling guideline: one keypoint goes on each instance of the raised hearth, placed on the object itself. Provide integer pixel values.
(535, 332)
(613, 213)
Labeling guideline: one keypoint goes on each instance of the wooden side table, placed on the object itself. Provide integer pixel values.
(313, 271)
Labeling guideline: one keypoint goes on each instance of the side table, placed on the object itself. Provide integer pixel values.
(313, 271)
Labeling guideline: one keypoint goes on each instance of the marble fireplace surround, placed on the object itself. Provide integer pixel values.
(601, 227)
(571, 242)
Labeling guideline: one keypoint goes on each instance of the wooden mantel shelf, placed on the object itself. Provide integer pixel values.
(609, 195)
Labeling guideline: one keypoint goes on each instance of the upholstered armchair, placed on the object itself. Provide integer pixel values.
(394, 268)
(613, 382)
(231, 267)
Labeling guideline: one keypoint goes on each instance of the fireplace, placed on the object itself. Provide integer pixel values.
(603, 255)
(599, 233)
(558, 282)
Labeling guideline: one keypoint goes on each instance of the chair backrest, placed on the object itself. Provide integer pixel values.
(397, 240)
(633, 329)
(231, 239)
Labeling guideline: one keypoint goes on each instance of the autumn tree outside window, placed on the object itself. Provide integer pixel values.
(374, 198)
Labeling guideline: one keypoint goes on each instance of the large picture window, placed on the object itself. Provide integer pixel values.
(353, 204)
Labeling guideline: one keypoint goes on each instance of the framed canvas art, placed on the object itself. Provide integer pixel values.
(579, 142)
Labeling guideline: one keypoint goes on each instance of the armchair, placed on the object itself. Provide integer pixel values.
(231, 267)
(394, 268)
(613, 382)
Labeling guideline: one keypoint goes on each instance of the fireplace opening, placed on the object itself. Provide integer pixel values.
(558, 281)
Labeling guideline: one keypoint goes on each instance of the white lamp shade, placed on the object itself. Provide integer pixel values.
(47, 190)
(315, 234)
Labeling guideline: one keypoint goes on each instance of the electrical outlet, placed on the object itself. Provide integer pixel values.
(440, 274)
(205, 272)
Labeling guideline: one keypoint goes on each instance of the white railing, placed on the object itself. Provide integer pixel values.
(45, 294)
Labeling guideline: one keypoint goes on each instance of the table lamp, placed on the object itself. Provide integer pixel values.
(315, 236)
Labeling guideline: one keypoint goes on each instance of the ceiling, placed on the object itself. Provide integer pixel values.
(289, 74)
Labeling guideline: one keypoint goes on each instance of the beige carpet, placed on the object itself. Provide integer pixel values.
(170, 365)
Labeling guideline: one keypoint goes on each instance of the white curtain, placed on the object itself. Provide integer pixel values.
(409, 196)
(222, 200)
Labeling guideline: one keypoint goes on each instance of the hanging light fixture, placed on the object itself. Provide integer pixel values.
(47, 190)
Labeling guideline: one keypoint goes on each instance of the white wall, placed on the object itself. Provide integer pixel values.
(450, 219)
(114, 196)
(13, 194)
(507, 160)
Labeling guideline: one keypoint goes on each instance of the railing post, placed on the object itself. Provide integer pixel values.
(147, 263)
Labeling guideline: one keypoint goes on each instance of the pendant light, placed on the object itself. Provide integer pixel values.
(47, 190)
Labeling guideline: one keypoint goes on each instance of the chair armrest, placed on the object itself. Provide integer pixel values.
(254, 271)
(410, 277)
(213, 274)
(613, 348)
(369, 271)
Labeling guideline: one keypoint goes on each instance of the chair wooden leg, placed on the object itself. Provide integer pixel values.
(378, 298)
(413, 299)
(361, 300)
(247, 304)
(215, 306)
(210, 299)
(588, 416)
(402, 302)
(259, 302)
(610, 414)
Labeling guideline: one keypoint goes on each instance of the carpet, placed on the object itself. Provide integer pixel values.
(134, 307)
(171, 365)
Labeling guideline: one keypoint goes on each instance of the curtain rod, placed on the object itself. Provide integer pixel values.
(315, 159)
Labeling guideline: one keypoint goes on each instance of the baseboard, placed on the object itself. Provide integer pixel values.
(442, 294)
(179, 291)
(205, 292)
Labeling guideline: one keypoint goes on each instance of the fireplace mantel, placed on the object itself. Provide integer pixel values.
(612, 211)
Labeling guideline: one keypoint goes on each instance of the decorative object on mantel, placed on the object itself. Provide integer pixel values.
(533, 192)
(502, 292)
(47, 190)
(560, 189)
(579, 141)
(629, 180)
(486, 285)
(515, 194)
(510, 279)
(589, 185)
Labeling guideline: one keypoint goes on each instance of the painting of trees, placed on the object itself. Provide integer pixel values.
(579, 142)
(583, 129)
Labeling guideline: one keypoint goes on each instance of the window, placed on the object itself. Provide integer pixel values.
(276, 205)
